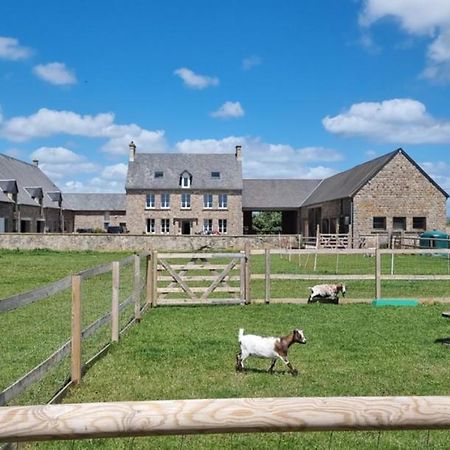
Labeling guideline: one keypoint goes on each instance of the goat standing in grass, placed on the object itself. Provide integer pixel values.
(326, 291)
(268, 347)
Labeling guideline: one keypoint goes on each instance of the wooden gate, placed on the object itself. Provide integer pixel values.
(199, 278)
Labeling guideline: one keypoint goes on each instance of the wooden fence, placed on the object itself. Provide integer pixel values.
(377, 276)
(74, 345)
(238, 415)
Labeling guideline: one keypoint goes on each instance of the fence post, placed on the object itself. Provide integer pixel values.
(115, 301)
(267, 274)
(149, 278)
(137, 288)
(377, 271)
(154, 295)
(247, 273)
(76, 330)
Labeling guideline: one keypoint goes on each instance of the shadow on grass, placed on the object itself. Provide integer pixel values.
(444, 341)
(265, 371)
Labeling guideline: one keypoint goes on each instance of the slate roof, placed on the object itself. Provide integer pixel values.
(94, 202)
(141, 171)
(347, 184)
(276, 194)
(29, 179)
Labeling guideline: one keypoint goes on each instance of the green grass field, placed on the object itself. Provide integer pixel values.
(352, 350)
(178, 353)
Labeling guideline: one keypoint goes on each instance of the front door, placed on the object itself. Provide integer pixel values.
(186, 227)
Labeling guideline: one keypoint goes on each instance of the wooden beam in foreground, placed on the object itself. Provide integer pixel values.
(81, 421)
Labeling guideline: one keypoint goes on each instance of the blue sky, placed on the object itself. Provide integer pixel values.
(308, 88)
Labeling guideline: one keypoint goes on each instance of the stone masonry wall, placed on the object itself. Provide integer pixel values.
(137, 213)
(399, 190)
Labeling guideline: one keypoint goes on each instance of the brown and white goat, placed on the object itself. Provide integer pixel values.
(273, 348)
(326, 291)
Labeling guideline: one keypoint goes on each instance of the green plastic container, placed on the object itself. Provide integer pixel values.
(429, 239)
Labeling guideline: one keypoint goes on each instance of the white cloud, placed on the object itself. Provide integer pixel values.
(418, 18)
(440, 172)
(47, 122)
(55, 73)
(59, 162)
(251, 61)
(229, 110)
(396, 121)
(115, 172)
(194, 80)
(93, 185)
(10, 49)
(264, 160)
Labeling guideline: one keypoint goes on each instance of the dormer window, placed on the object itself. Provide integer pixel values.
(215, 175)
(185, 180)
(159, 174)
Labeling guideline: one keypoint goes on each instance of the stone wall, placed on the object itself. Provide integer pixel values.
(399, 190)
(97, 219)
(137, 213)
(138, 243)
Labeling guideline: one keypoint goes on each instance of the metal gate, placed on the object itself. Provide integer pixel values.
(198, 278)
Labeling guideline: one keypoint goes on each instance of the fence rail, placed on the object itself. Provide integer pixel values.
(239, 415)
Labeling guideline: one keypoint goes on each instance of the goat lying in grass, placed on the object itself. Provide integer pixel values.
(268, 347)
(326, 291)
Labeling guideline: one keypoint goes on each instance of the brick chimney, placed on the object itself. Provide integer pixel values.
(238, 152)
(36, 162)
(132, 146)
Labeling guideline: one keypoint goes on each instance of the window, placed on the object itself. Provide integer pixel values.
(150, 201)
(379, 223)
(419, 223)
(207, 226)
(223, 201)
(399, 223)
(185, 201)
(215, 174)
(165, 200)
(150, 226)
(165, 226)
(159, 174)
(207, 201)
(223, 226)
(185, 180)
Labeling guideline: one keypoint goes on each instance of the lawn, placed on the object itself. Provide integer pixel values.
(352, 350)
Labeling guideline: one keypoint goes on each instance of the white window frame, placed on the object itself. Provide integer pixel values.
(185, 200)
(185, 181)
(223, 226)
(150, 201)
(207, 226)
(150, 226)
(165, 200)
(207, 201)
(165, 226)
(223, 201)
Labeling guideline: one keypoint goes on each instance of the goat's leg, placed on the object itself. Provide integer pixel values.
(274, 360)
(289, 365)
(240, 358)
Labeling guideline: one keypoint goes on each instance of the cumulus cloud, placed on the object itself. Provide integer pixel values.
(59, 162)
(47, 122)
(229, 110)
(265, 160)
(250, 62)
(418, 18)
(397, 121)
(440, 172)
(195, 81)
(10, 49)
(55, 73)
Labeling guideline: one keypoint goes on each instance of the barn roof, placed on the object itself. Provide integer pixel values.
(94, 202)
(28, 180)
(259, 194)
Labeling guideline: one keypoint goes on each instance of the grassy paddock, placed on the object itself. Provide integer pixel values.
(352, 350)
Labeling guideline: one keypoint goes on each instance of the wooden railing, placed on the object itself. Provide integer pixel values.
(238, 415)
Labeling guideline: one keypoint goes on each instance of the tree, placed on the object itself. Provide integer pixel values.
(267, 222)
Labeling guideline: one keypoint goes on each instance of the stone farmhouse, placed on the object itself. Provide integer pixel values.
(29, 201)
(205, 194)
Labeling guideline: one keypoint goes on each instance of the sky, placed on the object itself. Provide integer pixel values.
(308, 88)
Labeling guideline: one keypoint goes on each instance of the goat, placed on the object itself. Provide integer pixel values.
(326, 291)
(268, 347)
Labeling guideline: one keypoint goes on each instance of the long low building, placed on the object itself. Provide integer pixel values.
(177, 193)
